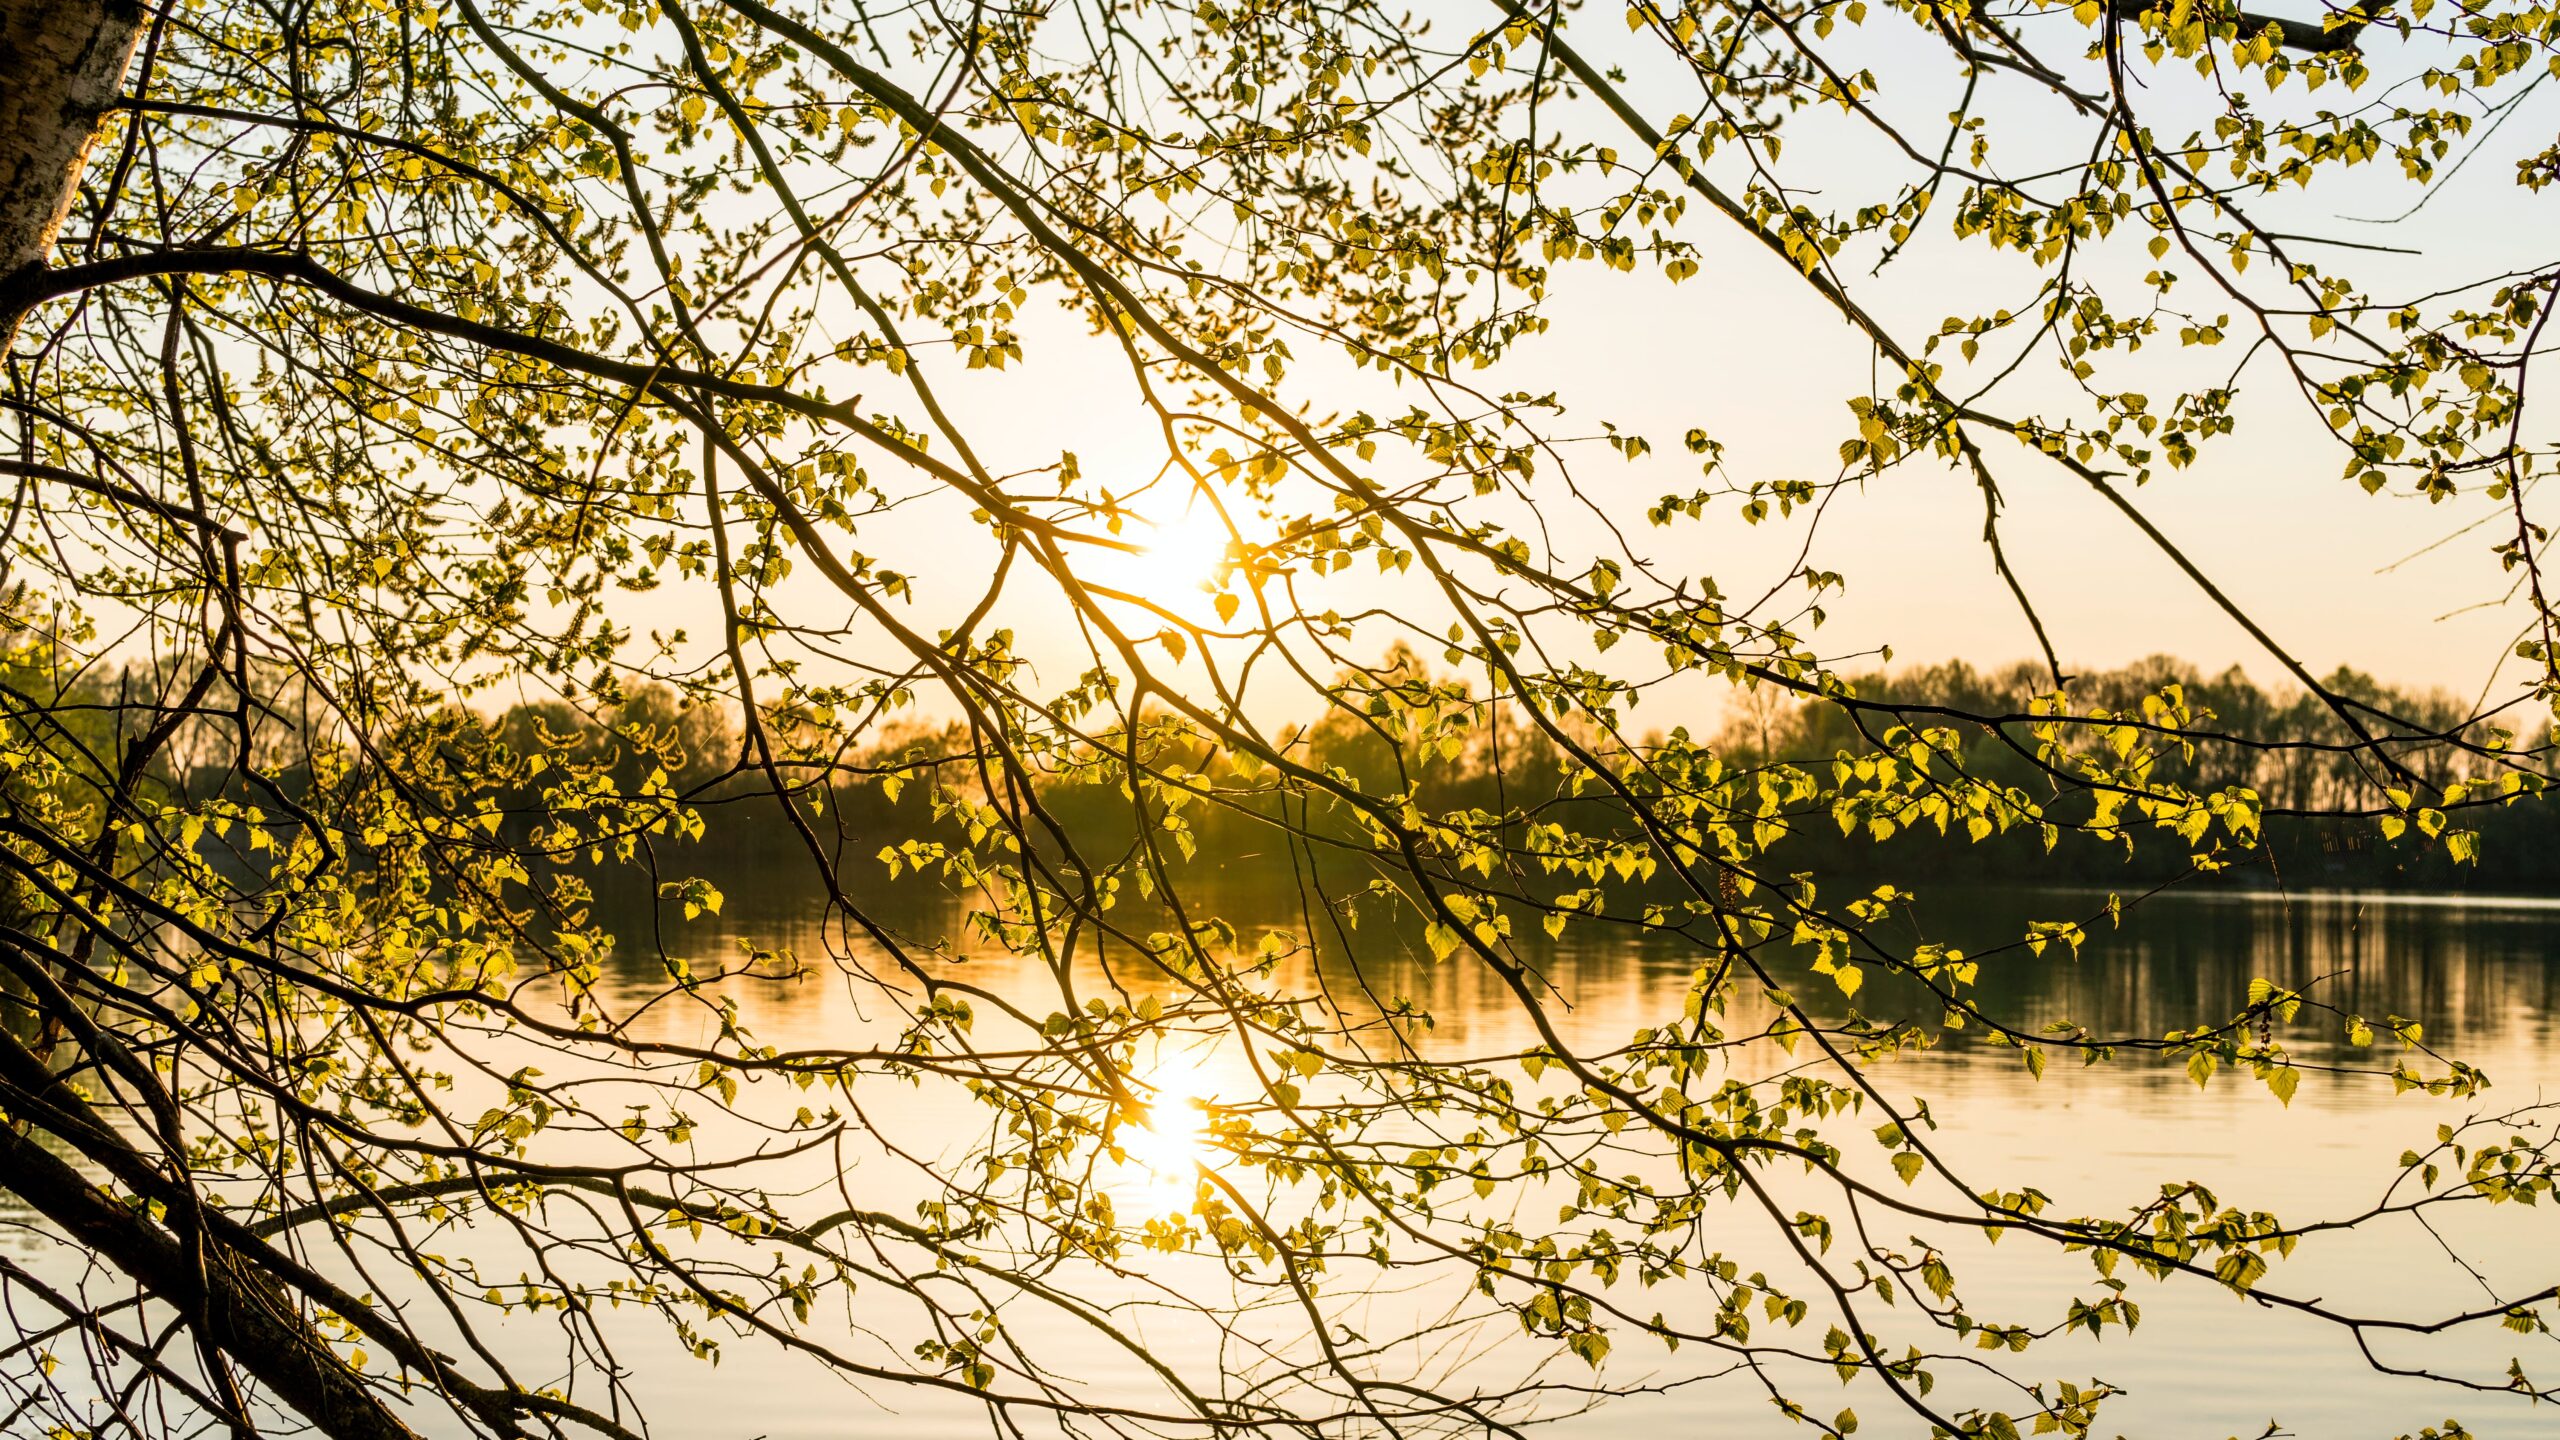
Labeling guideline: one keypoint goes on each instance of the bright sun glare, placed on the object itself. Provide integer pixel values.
(1180, 556)
(1166, 1150)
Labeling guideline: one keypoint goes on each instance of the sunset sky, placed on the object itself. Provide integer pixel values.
(1746, 352)
(2404, 590)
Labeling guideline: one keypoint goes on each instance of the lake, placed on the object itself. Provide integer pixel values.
(2481, 976)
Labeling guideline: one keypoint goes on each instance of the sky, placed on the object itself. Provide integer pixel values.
(1745, 351)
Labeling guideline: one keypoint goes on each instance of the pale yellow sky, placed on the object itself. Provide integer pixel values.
(2267, 513)
(1745, 351)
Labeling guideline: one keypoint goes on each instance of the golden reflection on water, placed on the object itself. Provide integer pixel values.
(2483, 977)
(1166, 1146)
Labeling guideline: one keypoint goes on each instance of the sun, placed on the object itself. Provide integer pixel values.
(1177, 558)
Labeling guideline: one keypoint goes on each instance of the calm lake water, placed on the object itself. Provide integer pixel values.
(2483, 977)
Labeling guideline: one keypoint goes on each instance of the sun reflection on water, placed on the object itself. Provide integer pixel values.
(1166, 1146)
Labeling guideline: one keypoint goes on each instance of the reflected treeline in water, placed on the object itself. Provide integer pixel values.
(2479, 972)
(2472, 972)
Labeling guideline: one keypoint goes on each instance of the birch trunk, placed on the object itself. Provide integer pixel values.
(61, 62)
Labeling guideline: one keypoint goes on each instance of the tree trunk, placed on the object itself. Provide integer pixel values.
(61, 62)
(252, 1321)
(237, 1309)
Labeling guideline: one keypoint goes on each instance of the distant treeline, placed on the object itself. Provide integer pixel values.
(652, 749)
(2321, 770)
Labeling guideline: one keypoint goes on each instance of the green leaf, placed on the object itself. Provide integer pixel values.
(1441, 938)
